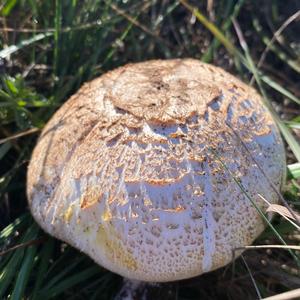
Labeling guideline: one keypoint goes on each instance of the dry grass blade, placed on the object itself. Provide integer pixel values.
(132, 20)
(210, 9)
(293, 247)
(288, 211)
(294, 294)
(275, 37)
(282, 211)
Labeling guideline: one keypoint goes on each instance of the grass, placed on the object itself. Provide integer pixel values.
(49, 48)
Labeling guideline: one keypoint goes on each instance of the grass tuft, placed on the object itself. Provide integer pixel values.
(48, 49)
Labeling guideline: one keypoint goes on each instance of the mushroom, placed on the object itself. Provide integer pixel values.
(150, 169)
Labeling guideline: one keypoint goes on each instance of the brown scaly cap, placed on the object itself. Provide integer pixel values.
(138, 169)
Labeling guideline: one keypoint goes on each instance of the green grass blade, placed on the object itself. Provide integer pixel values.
(8, 273)
(45, 256)
(4, 149)
(9, 5)
(294, 170)
(13, 227)
(293, 125)
(68, 283)
(58, 277)
(279, 88)
(14, 48)
(57, 22)
(290, 139)
(24, 273)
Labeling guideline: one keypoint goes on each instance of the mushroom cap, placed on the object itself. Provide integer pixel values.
(140, 169)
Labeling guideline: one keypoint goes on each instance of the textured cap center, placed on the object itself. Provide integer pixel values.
(165, 93)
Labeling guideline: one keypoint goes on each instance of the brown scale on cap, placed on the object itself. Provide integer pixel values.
(130, 170)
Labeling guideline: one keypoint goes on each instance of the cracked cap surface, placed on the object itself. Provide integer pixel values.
(139, 169)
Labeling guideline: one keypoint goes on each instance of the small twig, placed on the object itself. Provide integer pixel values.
(26, 244)
(13, 137)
